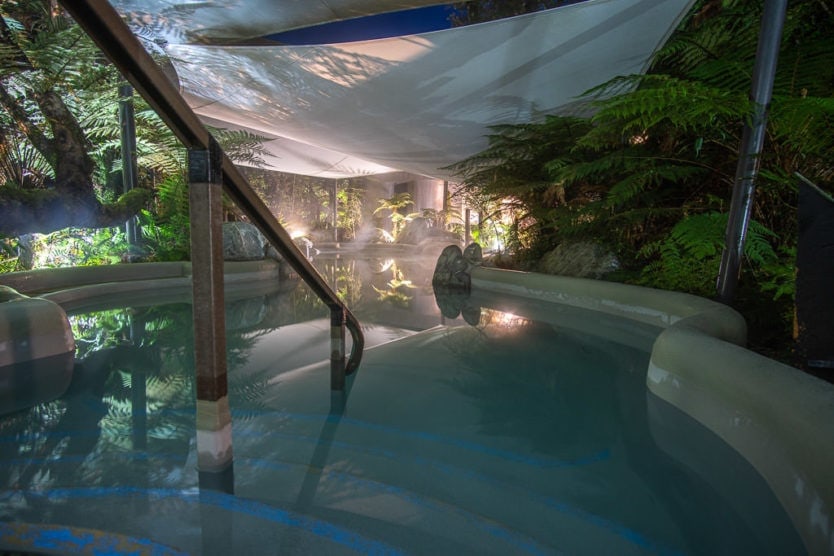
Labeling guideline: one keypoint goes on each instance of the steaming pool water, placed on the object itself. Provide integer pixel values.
(496, 433)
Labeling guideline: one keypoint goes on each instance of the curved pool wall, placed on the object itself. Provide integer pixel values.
(779, 418)
(36, 350)
(84, 287)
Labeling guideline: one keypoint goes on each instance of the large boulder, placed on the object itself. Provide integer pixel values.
(421, 231)
(580, 259)
(242, 241)
(452, 281)
(450, 272)
(414, 231)
(473, 254)
(454, 267)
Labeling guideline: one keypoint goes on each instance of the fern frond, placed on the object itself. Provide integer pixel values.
(242, 146)
(804, 124)
(687, 106)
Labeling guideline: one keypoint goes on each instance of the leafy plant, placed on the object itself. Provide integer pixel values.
(688, 258)
(396, 206)
(349, 209)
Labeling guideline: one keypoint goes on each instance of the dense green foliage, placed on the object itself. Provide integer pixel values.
(60, 151)
(650, 174)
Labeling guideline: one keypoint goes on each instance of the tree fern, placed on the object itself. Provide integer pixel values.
(654, 174)
(688, 258)
(711, 30)
(802, 126)
(688, 106)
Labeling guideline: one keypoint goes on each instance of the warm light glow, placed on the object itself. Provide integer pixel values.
(507, 319)
(386, 265)
(502, 320)
(386, 236)
(638, 139)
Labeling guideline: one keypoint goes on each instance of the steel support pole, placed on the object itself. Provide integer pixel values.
(336, 212)
(752, 141)
(446, 204)
(214, 422)
(127, 123)
(467, 227)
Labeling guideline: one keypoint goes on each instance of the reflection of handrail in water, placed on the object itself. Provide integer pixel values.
(104, 25)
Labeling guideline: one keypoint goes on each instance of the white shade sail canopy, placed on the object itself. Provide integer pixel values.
(422, 102)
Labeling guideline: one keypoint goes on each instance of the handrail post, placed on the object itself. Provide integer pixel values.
(337, 348)
(214, 421)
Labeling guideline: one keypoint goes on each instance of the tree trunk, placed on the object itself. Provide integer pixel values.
(47, 210)
(71, 200)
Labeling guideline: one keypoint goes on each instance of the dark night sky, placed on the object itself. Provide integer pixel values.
(408, 22)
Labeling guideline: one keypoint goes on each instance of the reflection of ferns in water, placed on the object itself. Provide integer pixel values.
(31, 427)
(248, 396)
(397, 285)
(36, 434)
(96, 331)
(393, 296)
(162, 394)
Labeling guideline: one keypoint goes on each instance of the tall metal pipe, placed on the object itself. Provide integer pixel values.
(127, 123)
(336, 211)
(752, 141)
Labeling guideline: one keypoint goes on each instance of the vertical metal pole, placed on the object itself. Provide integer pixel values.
(138, 390)
(336, 211)
(445, 204)
(127, 123)
(752, 140)
(337, 348)
(467, 227)
(214, 422)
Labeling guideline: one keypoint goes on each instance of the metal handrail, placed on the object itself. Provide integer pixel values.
(107, 29)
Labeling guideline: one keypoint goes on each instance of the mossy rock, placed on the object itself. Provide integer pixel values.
(580, 259)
